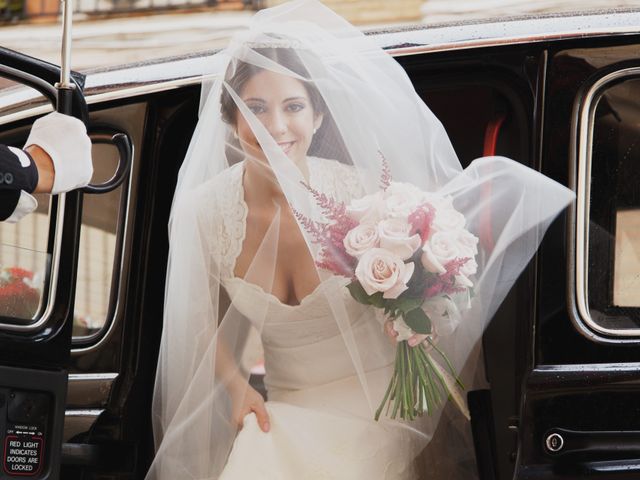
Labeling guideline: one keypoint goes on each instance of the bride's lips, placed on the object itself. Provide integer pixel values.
(286, 146)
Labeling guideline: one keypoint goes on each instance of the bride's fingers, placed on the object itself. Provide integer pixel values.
(416, 339)
(262, 416)
(391, 333)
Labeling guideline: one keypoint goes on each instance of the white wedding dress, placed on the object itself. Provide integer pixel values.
(321, 423)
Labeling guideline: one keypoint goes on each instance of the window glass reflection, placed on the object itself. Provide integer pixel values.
(24, 264)
(614, 227)
(98, 244)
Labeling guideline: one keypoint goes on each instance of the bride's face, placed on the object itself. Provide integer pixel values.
(283, 106)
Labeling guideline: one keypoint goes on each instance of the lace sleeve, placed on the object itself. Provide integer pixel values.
(221, 215)
(337, 179)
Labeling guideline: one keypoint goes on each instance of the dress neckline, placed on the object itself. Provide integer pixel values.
(243, 224)
(306, 299)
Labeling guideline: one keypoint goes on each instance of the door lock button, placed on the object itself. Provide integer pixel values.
(554, 442)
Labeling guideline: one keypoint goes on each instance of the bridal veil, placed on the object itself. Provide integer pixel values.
(365, 114)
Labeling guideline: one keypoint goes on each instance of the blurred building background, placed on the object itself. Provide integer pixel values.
(109, 32)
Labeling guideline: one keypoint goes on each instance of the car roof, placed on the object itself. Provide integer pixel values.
(508, 30)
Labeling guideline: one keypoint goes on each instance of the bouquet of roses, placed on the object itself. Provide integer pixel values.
(409, 254)
(19, 297)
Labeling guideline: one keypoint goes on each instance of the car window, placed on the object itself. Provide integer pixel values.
(101, 220)
(106, 229)
(613, 253)
(24, 265)
(25, 260)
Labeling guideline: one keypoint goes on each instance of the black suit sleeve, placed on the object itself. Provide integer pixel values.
(14, 177)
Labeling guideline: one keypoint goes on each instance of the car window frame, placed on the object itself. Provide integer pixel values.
(584, 118)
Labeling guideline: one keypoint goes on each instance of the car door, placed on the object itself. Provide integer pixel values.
(579, 408)
(37, 279)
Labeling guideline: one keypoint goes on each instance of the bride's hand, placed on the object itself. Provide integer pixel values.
(414, 340)
(245, 400)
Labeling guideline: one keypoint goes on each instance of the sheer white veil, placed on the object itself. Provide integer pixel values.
(363, 108)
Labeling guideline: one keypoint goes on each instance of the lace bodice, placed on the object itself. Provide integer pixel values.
(223, 212)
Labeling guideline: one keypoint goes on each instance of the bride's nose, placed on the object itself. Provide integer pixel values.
(277, 124)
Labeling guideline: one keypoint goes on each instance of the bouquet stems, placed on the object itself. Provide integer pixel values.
(419, 384)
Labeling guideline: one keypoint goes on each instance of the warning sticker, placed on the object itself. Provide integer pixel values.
(23, 454)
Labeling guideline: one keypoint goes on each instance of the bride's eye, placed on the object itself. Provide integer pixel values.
(295, 107)
(257, 109)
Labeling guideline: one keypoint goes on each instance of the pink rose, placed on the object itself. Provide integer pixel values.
(360, 239)
(395, 236)
(379, 270)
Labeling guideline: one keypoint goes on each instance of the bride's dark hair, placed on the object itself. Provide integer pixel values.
(239, 73)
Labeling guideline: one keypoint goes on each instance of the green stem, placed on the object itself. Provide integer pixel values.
(403, 379)
(449, 365)
(386, 395)
(424, 382)
(398, 387)
(411, 391)
(442, 380)
(419, 386)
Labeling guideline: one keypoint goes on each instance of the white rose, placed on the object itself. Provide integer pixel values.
(402, 199)
(469, 268)
(360, 239)
(379, 270)
(404, 330)
(440, 249)
(448, 219)
(444, 314)
(463, 281)
(395, 236)
(468, 241)
(437, 201)
(368, 209)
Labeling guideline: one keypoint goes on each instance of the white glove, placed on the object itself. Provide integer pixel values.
(66, 141)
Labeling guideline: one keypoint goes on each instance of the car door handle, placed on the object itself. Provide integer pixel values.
(123, 144)
(562, 442)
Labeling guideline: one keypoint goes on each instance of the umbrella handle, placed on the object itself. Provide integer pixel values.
(65, 86)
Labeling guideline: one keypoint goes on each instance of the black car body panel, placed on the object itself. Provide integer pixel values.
(550, 373)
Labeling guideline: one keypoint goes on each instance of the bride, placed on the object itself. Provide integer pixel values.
(300, 109)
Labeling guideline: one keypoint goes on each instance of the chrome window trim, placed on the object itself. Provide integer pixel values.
(583, 203)
(55, 264)
(126, 242)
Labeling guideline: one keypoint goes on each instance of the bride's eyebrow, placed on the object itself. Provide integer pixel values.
(254, 99)
(293, 98)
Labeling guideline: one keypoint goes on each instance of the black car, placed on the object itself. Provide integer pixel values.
(82, 279)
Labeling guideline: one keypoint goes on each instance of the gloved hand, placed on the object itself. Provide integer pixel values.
(66, 141)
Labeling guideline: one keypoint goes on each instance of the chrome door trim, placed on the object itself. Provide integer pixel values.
(79, 421)
(583, 204)
(89, 390)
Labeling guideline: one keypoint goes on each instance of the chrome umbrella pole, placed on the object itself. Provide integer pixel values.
(65, 86)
